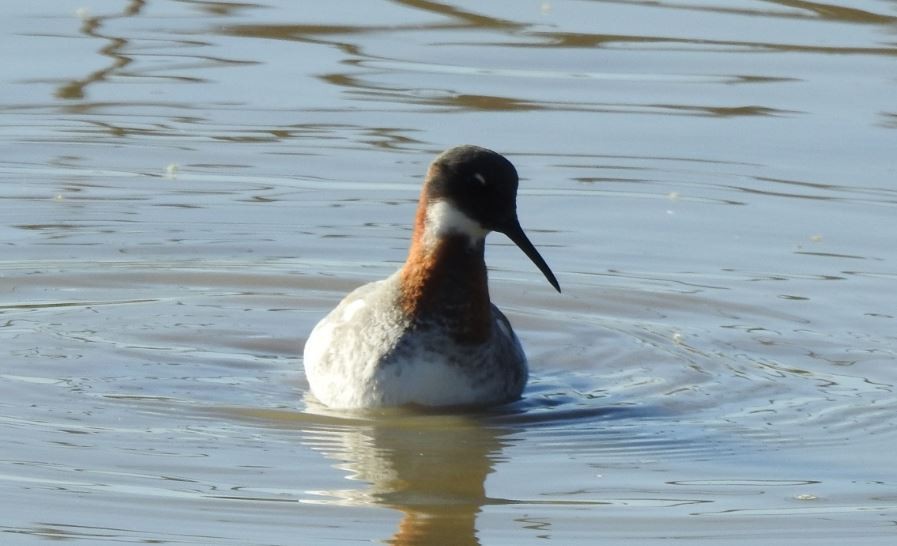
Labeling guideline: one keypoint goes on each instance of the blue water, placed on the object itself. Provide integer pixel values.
(188, 187)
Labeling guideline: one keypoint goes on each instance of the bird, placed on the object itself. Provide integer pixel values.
(428, 335)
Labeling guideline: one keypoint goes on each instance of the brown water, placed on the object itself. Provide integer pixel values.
(187, 187)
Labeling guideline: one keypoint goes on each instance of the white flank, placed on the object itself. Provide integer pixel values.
(444, 219)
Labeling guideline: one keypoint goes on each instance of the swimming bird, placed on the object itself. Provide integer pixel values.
(429, 335)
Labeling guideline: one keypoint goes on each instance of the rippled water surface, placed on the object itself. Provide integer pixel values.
(186, 187)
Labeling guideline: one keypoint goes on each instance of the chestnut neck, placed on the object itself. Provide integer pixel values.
(444, 281)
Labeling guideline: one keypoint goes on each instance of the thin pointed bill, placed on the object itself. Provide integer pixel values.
(516, 234)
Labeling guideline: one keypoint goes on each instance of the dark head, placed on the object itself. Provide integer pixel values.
(482, 184)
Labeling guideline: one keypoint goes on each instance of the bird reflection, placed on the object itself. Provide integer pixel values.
(432, 469)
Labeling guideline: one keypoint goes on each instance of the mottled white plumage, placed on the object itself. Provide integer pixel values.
(365, 354)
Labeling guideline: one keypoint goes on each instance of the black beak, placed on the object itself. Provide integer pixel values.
(516, 234)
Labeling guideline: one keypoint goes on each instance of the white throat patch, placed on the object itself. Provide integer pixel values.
(444, 219)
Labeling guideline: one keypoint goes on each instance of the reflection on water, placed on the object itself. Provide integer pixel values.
(433, 473)
(432, 468)
(92, 27)
(713, 184)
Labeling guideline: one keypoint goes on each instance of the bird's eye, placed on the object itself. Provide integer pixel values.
(479, 178)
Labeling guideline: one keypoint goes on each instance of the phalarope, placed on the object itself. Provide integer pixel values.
(429, 335)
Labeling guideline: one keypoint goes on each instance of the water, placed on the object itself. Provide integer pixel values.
(188, 187)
